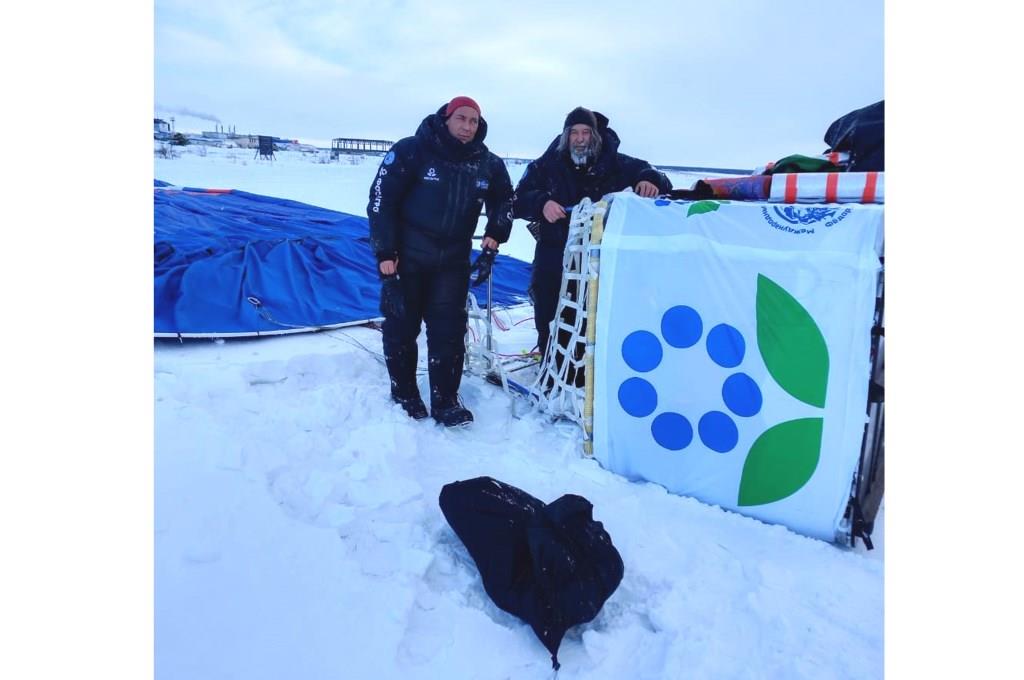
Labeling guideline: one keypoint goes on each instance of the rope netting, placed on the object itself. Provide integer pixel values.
(563, 383)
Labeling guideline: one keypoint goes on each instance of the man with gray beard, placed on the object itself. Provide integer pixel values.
(583, 161)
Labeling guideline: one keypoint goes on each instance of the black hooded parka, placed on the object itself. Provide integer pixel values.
(554, 177)
(426, 197)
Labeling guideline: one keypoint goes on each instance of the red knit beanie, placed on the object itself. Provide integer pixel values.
(461, 101)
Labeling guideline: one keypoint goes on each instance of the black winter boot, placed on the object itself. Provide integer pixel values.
(413, 406)
(452, 416)
(402, 370)
(445, 378)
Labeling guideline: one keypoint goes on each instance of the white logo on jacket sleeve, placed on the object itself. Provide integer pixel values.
(377, 194)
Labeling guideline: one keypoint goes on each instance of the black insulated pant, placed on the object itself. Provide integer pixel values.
(439, 299)
(545, 287)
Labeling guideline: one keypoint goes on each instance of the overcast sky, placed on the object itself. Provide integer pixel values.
(726, 84)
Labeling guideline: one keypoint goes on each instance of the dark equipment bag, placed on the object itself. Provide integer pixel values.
(550, 564)
(862, 134)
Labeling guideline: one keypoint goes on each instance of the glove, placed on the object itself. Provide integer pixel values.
(482, 266)
(392, 301)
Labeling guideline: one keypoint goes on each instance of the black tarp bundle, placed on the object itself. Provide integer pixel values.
(550, 564)
(862, 134)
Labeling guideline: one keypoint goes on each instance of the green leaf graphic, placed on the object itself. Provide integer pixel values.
(791, 344)
(701, 207)
(781, 461)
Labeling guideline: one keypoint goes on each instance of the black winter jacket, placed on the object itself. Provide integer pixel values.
(554, 177)
(426, 197)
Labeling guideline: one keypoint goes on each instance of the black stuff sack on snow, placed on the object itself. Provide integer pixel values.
(552, 565)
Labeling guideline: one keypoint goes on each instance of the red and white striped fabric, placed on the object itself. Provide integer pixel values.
(828, 187)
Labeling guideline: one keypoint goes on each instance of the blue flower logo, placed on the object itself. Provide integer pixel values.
(682, 328)
(783, 458)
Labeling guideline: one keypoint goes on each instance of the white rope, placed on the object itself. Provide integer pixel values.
(556, 388)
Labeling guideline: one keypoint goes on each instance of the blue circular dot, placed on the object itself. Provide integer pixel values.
(681, 326)
(638, 397)
(741, 394)
(718, 432)
(661, 201)
(672, 431)
(642, 351)
(726, 346)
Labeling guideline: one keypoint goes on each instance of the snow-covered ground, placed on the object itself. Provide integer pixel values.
(298, 533)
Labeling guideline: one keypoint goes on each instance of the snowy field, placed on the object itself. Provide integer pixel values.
(298, 533)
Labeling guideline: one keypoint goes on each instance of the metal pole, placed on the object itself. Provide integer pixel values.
(490, 349)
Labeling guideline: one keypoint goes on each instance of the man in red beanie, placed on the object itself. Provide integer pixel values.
(423, 210)
(462, 124)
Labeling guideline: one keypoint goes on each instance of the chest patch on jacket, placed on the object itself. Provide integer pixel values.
(481, 184)
(431, 176)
